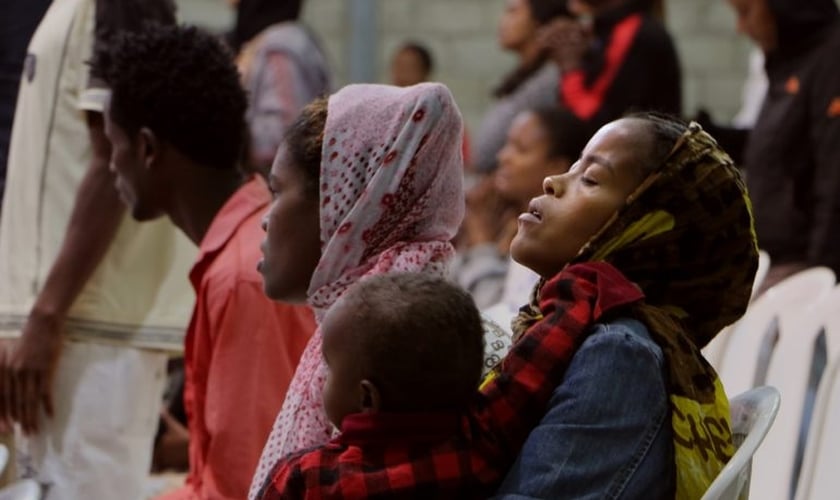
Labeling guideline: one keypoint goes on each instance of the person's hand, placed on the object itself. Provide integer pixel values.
(33, 363)
(172, 450)
(566, 42)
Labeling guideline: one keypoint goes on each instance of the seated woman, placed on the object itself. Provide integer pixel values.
(541, 142)
(639, 412)
(369, 182)
(647, 249)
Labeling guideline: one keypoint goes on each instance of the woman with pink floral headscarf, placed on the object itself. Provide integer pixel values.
(369, 182)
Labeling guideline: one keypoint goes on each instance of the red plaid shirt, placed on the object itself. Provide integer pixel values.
(461, 456)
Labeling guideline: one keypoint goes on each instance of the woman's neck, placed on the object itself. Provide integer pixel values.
(529, 52)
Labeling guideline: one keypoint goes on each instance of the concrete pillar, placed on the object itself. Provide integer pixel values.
(362, 49)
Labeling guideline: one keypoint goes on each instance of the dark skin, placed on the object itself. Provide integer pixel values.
(30, 362)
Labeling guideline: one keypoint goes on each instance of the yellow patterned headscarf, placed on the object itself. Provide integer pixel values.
(686, 237)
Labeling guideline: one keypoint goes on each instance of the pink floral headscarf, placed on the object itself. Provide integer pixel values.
(391, 200)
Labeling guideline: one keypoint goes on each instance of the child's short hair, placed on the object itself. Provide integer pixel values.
(420, 340)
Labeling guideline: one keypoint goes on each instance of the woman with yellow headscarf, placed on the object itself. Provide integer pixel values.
(655, 204)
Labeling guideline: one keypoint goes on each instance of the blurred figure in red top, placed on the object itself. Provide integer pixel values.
(614, 58)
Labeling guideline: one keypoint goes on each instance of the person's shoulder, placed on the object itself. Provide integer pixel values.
(831, 43)
(624, 334)
(307, 468)
(651, 34)
(543, 79)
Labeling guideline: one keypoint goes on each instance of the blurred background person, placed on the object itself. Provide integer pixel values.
(541, 142)
(412, 63)
(93, 325)
(617, 57)
(531, 84)
(792, 157)
(283, 68)
(18, 21)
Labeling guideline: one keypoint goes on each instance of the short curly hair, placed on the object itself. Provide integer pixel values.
(419, 339)
(181, 83)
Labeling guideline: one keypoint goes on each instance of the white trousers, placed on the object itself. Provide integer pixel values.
(98, 445)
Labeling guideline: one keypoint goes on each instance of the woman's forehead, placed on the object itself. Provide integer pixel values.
(622, 139)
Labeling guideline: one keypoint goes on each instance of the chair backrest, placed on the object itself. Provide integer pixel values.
(25, 489)
(713, 352)
(740, 361)
(752, 414)
(761, 271)
(789, 370)
(819, 479)
(830, 315)
(4, 457)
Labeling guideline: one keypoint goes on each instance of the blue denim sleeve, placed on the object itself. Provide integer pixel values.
(607, 430)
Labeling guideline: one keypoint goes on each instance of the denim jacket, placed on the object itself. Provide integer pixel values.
(607, 429)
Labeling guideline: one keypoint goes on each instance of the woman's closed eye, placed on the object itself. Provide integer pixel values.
(588, 181)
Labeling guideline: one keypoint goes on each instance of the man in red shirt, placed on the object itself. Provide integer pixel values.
(176, 123)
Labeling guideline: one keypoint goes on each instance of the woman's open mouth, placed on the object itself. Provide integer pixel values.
(533, 215)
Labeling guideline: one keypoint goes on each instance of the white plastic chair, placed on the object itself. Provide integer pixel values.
(830, 315)
(761, 272)
(4, 457)
(714, 350)
(752, 414)
(789, 370)
(25, 489)
(740, 361)
(819, 479)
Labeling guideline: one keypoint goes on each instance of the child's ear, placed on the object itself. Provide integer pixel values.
(371, 400)
(150, 147)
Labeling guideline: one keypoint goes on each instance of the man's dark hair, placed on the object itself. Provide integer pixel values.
(419, 339)
(181, 83)
(116, 16)
(423, 53)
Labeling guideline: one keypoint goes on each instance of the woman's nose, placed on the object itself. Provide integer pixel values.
(264, 223)
(553, 185)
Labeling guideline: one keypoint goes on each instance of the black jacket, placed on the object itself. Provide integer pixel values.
(793, 153)
(645, 75)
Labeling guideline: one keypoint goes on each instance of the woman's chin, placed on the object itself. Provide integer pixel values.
(516, 248)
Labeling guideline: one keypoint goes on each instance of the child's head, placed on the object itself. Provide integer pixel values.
(401, 343)
(540, 142)
(411, 64)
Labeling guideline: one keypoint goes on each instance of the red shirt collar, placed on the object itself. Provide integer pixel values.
(251, 197)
